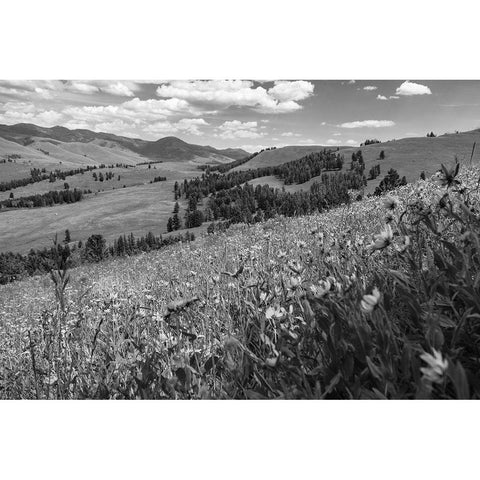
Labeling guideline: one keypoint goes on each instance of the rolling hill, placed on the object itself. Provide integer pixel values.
(408, 155)
(84, 147)
(277, 156)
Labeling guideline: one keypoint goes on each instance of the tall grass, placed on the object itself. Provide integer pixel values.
(375, 299)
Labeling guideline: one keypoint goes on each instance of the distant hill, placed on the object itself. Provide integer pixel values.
(174, 149)
(411, 156)
(166, 149)
(278, 156)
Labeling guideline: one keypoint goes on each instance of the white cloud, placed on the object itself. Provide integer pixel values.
(351, 142)
(257, 148)
(290, 134)
(410, 88)
(236, 129)
(26, 112)
(370, 87)
(118, 88)
(381, 97)
(82, 87)
(392, 97)
(368, 124)
(284, 91)
(336, 134)
(333, 141)
(281, 98)
(185, 125)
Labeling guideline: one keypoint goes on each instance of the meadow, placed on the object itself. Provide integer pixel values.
(373, 299)
(110, 210)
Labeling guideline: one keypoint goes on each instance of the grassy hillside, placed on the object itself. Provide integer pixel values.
(409, 156)
(278, 156)
(112, 148)
(337, 305)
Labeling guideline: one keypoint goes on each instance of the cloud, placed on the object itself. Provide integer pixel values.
(370, 87)
(383, 97)
(185, 125)
(284, 91)
(351, 142)
(256, 148)
(83, 87)
(368, 124)
(290, 134)
(283, 97)
(333, 141)
(236, 129)
(336, 134)
(118, 88)
(26, 112)
(408, 88)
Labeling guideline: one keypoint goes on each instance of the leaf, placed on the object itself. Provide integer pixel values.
(374, 370)
(333, 383)
(460, 382)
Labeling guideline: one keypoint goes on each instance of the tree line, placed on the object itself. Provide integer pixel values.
(53, 197)
(15, 266)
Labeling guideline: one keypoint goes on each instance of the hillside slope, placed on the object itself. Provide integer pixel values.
(277, 156)
(166, 149)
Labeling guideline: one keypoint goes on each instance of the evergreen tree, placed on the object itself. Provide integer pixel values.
(68, 238)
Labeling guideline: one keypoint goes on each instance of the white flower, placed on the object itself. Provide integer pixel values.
(369, 302)
(277, 312)
(383, 239)
(437, 366)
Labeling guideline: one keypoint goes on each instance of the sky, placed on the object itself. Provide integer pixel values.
(245, 113)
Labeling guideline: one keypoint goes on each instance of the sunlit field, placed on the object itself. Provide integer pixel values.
(374, 299)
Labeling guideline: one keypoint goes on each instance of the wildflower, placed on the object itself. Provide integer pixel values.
(437, 366)
(383, 239)
(277, 312)
(403, 245)
(390, 203)
(321, 289)
(369, 302)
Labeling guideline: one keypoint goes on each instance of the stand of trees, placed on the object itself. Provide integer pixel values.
(46, 199)
(296, 171)
(248, 204)
(374, 172)
(369, 142)
(390, 181)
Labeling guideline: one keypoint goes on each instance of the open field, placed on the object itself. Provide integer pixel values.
(333, 305)
(137, 209)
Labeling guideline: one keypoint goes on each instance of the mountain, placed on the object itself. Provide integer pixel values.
(174, 149)
(166, 149)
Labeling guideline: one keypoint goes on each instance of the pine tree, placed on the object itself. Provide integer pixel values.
(68, 238)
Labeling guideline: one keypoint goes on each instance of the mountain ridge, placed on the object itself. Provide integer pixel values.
(166, 148)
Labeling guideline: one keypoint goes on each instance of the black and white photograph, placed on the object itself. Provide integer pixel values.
(227, 241)
(239, 239)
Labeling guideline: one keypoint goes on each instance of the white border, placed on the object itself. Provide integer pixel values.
(247, 39)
